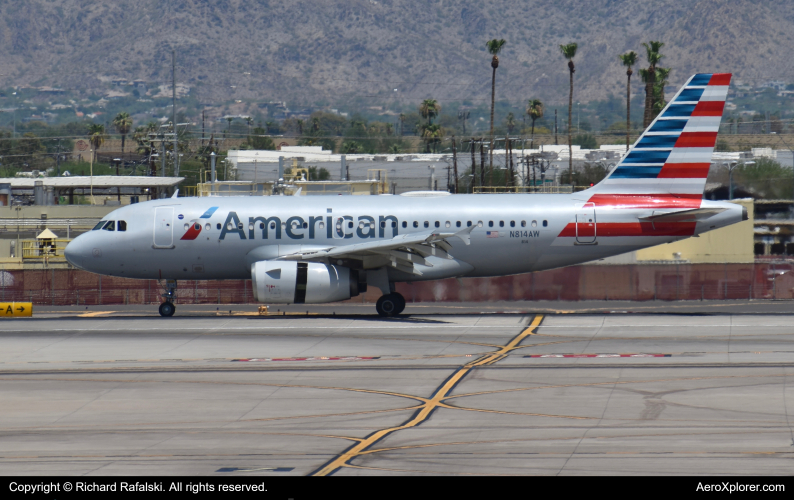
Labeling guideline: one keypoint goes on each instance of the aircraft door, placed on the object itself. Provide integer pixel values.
(586, 224)
(164, 227)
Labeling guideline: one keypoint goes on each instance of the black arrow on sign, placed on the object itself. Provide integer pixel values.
(21, 309)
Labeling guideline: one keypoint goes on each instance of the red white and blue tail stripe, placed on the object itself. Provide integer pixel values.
(672, 157)
(664, 173)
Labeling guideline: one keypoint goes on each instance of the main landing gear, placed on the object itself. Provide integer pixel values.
(390, 304)
(167, 308)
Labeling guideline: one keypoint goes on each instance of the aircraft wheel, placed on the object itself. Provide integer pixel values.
(388, 305)
(167, 309)
(400, 303)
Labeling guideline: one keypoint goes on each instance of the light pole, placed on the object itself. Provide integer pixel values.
(730, 166)
(91, 152)
(578, 130)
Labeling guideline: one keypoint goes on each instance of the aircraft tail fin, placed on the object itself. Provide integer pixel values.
(672, 156)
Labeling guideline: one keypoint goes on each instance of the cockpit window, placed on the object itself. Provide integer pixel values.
(110, 226)
(99, 225)
(122, 225)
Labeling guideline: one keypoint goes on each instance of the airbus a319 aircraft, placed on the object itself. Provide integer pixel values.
(329, 248)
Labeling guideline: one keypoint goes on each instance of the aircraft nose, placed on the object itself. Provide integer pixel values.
(75, 252)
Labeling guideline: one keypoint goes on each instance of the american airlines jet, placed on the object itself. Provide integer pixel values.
(323, 249)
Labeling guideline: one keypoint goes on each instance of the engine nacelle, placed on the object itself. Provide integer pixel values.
(286, 282)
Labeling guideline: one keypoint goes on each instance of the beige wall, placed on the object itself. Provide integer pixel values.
(732, 244)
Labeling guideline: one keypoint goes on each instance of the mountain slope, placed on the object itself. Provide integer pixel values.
(332, 51)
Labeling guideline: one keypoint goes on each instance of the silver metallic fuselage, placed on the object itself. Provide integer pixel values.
(218, 254)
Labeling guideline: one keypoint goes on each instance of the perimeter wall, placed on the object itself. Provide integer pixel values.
(587, 282)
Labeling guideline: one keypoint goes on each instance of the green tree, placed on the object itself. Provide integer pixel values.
(429, 109)
(628, 59)
(123, 124)
(569, 52)
(662, 74)
(535, 111)
(432, 135)
(494, 47)
(649, 75)
(96, 136)
(260, 140)
(510, 122)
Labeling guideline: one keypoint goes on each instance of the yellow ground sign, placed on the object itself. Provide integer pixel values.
(16, 309)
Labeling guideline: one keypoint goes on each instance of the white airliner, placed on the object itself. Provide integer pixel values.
(326, 249)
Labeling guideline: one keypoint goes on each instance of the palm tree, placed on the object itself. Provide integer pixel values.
(510, 122)
(658, 91)
(654, 57)
(628, 59)
(569, 52)
(402, 124)
(96, 136)
(123, 124)
(432, 135)
(535, 111)
(429, 109)
(494, 47)
(229, 119)
(248, 120)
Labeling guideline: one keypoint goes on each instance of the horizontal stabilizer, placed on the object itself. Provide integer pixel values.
(695, 215)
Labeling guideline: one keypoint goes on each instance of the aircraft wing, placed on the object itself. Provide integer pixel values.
(400, 252)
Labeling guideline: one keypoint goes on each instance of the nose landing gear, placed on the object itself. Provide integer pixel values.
(167, 308)
(390, 304)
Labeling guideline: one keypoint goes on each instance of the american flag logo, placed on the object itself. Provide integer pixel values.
(491, 234)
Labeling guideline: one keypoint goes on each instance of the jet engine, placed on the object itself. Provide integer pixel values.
(285, 282)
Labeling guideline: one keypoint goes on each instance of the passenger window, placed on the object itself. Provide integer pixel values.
(438, 224)
(196, 226)
(457, 224)
(207, 226)
(490, 223)
(261, 225)
(416, 223)
(512, 223)
(427, 224)
(501, 223)
(479, 223)
(305, 225)
(447, 224)
(393, 224)
(534, 223)
(468, 224)
(272, 225)
(405, 224)
(523, 223)
(383, 223)
(322, 225)
(110, 226)
(218, 226)
(350, 225)
(100, 225)
(545, 223)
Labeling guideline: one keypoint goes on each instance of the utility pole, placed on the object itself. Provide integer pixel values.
(455, 164)
(202, 128)
(555, 128)
(473, 163)
(162, 156)
(173, 112)
(482, 162)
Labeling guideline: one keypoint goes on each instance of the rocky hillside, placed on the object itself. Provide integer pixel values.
(330, 51)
